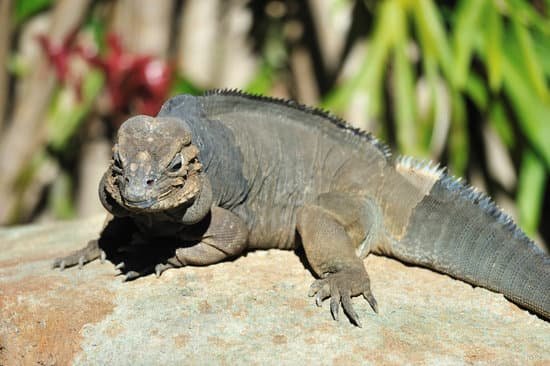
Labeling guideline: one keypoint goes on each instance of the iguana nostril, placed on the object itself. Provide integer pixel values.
(150, 182)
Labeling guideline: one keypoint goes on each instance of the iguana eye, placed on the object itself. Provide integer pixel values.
(176, 164)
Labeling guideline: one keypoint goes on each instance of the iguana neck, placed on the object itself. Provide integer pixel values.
(200, 206)
(221, 158)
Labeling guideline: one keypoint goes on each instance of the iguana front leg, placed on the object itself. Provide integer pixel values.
(221, 236)
(331, 230)
(89, 253)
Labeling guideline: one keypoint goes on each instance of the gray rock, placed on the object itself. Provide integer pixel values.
(253, 310)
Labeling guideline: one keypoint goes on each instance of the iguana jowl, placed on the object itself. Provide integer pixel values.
(239, 172)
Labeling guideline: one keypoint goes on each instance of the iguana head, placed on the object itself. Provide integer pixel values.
(155, 166)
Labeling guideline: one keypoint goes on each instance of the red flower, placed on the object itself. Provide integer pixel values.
(132, 80)
(58, 54)
(137, 81)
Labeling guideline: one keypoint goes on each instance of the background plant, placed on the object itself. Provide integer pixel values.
(463, 82)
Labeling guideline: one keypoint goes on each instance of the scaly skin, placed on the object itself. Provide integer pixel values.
(213, 176)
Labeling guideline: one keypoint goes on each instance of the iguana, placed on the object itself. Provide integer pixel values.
(226, 172)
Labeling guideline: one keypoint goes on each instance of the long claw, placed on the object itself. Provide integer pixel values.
(62, 265)
(161, 267)
(102, 256)
(322, 293)
(56, 263)
(121, 265)
(80, 262)
(371, 300)
(318, 300)
(315, 287)
(130, 275)
(350, 311)
(334, 307)
(334, 300)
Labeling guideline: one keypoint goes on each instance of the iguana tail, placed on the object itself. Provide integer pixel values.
(459, 231)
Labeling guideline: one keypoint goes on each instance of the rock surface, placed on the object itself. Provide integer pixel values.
(253, 310)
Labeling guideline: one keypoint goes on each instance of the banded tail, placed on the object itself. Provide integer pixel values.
(459, 231)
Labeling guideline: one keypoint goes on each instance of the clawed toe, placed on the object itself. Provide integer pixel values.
(131, 271)
(340, 287)
(59, 263)
(321, 290)
(349, 310)
(130, 275)
(80, 257)
(161, 267)
(371, 300)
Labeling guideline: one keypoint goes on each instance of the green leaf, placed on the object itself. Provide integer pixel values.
(60, 197)
(542, 47)
(263, 80)
(433, 78)
(458, 136)
(182, 85)
(17, 66)
(432, 35)
(67, 111)
(477, 91)
(97, 26)
(530, 196)
(523, 12)
(464, 33)
(26, 8)
(530, 61)
(493, 45)
(532, 113)
(404, 104)
(498, 118)
(390, 21)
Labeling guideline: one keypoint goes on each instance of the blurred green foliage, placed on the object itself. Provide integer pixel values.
(493, 59)
(26, 8)
(481, 62)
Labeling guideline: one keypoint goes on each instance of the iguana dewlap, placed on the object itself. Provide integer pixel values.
(227, 172)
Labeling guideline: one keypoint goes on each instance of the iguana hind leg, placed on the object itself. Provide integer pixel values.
(331, 230)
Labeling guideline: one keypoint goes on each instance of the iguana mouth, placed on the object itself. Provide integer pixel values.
(178, 194)
(148, 203)
(141, 204)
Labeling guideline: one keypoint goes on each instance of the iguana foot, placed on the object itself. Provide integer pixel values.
(132, 268)
(340, 287)
(161, 267)
(132, 271)
(133, 274)
(80, 257)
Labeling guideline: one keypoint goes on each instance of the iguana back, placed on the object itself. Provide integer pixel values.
(423, 216)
